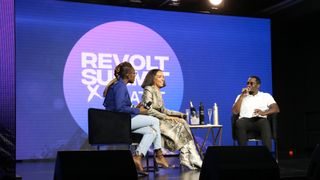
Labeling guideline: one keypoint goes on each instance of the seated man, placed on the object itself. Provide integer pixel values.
(253, 106)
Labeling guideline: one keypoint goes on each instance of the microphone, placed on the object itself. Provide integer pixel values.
(184, 117)
(247, 91)
(244, 90)
(147, 105)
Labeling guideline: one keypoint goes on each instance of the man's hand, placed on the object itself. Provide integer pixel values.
(258, 112)
(245, 91)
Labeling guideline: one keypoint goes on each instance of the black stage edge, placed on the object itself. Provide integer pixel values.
(239, 162)
(80, 165)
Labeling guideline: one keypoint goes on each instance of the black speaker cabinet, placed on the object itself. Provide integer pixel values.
(239, 162)
(111, 164)
(313, 171)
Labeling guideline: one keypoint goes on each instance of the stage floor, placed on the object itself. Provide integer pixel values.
(44, 170)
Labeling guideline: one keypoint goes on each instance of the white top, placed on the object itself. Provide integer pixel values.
(249, 103)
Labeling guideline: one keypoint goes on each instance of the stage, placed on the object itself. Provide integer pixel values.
(44, 170)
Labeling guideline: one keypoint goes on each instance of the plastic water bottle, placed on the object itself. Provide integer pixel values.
(215, 114)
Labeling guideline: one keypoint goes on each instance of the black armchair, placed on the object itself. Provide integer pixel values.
(107, 128)
(255, 135)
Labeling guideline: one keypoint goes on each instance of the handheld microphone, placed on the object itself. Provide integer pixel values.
(184, 117)
(147, 105)
(245, 90)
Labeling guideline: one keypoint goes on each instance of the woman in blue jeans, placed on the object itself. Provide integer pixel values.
(117, 99)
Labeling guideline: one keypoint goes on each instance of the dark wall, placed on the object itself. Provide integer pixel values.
(295, 51)
(7, 91)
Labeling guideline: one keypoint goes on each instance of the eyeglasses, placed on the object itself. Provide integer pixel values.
(251, 83)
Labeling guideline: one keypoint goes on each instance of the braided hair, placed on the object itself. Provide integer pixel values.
(120, 71)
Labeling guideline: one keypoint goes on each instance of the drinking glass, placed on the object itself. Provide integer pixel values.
(210, 115)
(188, 115)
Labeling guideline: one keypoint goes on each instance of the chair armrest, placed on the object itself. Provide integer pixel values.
(273, 119)
(234, 118)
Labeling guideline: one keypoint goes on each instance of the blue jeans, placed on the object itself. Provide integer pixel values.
(149, 127)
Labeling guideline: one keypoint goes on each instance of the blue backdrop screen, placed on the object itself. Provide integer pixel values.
(66, 53)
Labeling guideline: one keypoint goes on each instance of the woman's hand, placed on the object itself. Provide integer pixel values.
(143, 110)
(139, 105)
(172, 118)
(183, 116)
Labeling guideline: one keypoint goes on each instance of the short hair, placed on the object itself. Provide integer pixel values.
(258, 80)
(148, 80)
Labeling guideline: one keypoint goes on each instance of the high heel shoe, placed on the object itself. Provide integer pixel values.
(160, 159)
(186, 166)
(137, 161)
(194, 156)
(195, 160)
(184, 159)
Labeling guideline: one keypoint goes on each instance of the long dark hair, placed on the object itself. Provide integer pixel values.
(120, 71)
(148, 81)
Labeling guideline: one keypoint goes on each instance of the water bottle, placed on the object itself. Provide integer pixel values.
(215, 114)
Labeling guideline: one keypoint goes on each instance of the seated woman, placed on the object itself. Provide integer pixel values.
(117, 99)
(175, 130)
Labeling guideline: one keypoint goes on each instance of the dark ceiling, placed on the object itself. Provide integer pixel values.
(249, 8)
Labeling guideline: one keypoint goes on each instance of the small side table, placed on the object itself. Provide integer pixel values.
(216, 138)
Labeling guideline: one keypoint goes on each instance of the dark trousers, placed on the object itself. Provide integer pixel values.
(256, 123)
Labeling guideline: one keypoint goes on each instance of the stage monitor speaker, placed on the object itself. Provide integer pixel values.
(80, 165)
(313, 171)
(239, 162)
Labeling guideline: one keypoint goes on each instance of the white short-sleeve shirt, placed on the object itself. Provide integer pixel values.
(249, 103)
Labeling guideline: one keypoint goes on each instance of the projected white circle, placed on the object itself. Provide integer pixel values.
(92, 60)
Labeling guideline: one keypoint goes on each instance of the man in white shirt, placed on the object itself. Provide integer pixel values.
(253, 107)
